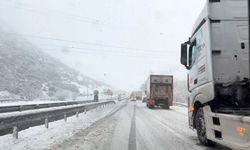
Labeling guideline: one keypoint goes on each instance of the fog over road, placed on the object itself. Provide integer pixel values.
(135, 127)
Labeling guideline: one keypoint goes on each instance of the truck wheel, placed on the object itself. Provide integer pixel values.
(151, 106)
(201, 128)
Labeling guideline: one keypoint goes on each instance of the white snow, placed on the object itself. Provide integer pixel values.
(39, 137)
(28, 103)
(34, 111)
(6, 96)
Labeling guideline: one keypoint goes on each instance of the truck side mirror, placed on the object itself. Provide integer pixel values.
(184, 54)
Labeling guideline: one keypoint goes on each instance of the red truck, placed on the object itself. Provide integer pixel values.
(159, 91)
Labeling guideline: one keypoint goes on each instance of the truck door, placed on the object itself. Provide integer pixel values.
(200, 61)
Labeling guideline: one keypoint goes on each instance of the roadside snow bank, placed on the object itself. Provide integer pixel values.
(37, 138)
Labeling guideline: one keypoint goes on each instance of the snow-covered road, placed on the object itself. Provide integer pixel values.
(135, 127)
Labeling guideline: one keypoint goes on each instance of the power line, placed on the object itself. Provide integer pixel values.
(61, 13)
(83, 19)
(81, 42)
(112, 54)
(101, 50)
(104, 52)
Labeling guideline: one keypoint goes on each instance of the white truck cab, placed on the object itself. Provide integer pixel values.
(217, 57)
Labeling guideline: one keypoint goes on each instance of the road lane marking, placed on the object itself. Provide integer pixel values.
(132, 134)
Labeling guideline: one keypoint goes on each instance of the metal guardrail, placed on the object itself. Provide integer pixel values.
(23, 107)
(17, 121)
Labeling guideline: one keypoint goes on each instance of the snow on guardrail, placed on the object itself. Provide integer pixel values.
(13, 107)
(24, 107)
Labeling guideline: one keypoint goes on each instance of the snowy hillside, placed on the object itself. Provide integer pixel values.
(28, 73)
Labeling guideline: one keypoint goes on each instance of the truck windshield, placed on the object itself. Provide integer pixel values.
(192, 54)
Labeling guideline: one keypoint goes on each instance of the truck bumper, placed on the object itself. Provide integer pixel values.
(229, 130)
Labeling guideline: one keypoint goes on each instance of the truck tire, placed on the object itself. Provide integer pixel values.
(201, 128)
(150, 106)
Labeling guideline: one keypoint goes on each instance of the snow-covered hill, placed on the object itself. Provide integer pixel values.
(28, 73)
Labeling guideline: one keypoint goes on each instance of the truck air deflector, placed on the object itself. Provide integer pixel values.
(199, 26)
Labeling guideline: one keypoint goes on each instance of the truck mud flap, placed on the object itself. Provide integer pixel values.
(161, 101)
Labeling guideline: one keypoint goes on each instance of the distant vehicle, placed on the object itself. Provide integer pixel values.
(133, 99)
(137, 95)
(159, 91)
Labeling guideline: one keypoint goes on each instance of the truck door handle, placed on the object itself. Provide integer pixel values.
(195, 81)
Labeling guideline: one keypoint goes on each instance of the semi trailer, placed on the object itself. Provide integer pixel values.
(217, 59)
(159, 91)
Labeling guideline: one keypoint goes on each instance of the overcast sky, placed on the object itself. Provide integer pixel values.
(119, 42)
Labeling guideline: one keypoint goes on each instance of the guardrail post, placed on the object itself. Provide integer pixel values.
(15, 132)
(20, 108)
(77, 115)
(46, 123)
(65, 117)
